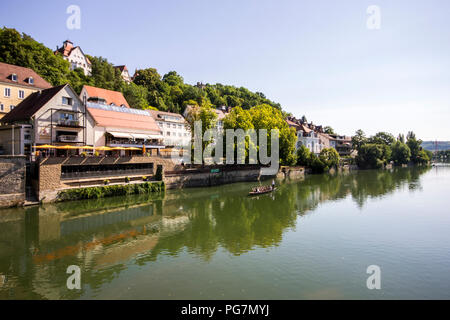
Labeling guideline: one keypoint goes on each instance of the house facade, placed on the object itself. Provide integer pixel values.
(124, 73)
(54, 116)
(174, 127)
(75, 56)
(16, 84)
(309, 135)
(124, 128)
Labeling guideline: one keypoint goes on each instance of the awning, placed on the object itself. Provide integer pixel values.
(140, 136)
(155, 136)
(116, 134)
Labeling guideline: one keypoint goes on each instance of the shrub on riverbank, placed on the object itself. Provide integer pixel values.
(110, 191)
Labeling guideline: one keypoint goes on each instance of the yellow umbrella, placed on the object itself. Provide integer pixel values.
(133, 148)
(87, 148)
(103, 148)
(119, 148)
(45, 146)
(67, 147)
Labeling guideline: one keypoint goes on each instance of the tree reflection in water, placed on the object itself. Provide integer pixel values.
(106, 236)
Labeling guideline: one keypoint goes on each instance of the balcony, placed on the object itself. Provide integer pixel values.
(69, 123)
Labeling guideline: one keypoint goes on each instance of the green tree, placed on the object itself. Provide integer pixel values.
(328, 130)
(330, 157)
(382, 138)
(303, 155)
(136, 96)
(359, 139)
(372, 156)
(401, 154)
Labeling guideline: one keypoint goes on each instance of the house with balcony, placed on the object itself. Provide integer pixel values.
(54, 116)
(16, 84)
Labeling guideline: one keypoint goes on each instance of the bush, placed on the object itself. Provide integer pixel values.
(110, 191)
(373, 156)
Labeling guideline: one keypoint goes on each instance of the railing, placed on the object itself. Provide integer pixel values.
(67, 138)
(105, 171)
(68, 123)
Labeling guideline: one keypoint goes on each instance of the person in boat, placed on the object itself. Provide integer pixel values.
(273, 184)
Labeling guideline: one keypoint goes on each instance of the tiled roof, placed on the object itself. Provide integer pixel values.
(67, 49)
(23, 74)
(121, 68)
(110, 96)
(113, 119)
(28, 107)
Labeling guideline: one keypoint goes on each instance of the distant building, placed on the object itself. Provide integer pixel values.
(16, 84)
(103, 96)
(342, 144)
(309, 135)
(124, 73)
(220, 112)
(174, 127)
(75, 56)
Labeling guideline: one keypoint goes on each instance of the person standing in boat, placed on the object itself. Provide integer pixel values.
(273, 184)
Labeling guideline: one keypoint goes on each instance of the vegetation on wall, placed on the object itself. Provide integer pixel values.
(110, 191)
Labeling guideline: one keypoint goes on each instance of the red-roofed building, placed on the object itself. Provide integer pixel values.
(75, 56)
(124, 73)
(104, 96)
(16, 84)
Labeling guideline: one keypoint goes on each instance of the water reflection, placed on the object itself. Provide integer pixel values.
(105, 237)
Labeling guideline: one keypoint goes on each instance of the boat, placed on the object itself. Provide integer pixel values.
(262, 190)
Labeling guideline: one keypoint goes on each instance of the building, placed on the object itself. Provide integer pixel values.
(16, 84)
(174, 127)
(103, 96)
(309, 135)
(54, 116)
(124, 127)
(75, 56)
(124, 73)
(342, 144)
(221, 113)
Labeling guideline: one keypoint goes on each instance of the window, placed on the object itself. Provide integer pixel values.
(2, 107)
(11, 107)
(168, 133)
(66, 101)
(21, 94)
(14, 77)
(7, 92)
(174, 126)
(30, 80)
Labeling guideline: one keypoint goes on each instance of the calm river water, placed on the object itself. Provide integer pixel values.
(311, 239)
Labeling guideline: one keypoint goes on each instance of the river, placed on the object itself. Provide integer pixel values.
(311, 239)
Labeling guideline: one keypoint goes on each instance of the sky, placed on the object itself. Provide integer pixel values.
(316, 58)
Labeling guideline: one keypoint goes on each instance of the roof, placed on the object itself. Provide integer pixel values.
(23, 74)
(28, 107)
(110, 96)
(67, 49)
(121, 68)
(128, 120)
(157, 113)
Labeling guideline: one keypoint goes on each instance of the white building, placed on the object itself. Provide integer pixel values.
(54, 116)
(174, 127)
(75, 56)
(124, 73)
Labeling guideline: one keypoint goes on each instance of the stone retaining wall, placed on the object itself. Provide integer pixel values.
(12, 180)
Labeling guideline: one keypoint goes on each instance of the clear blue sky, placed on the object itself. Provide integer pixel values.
(316, 58)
